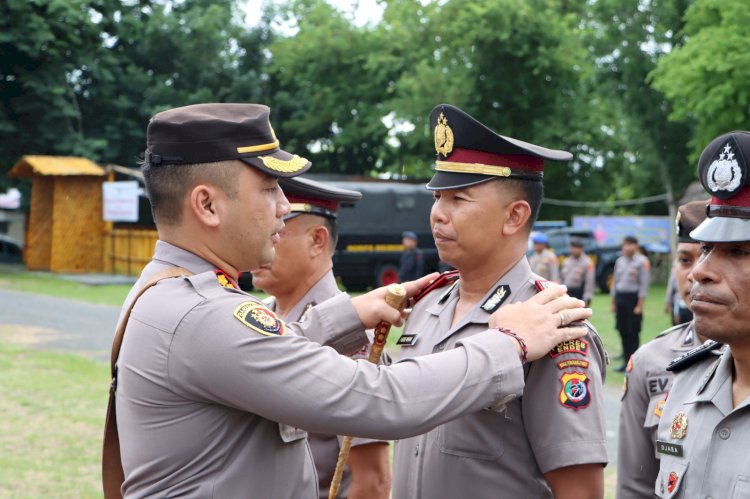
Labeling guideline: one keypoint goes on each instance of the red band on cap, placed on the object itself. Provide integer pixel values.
(332, 206)
(742, 198)
(513, 161)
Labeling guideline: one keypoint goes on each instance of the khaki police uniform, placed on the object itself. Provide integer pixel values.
(325, 447)
(578, 275)
(704, 452)
(646, 388)
(211, 398)
(631, 281)
(545, 264)
(558, 422)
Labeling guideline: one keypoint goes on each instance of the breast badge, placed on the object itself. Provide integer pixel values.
(575, 393)
(258, 318)
(679, 426)
(672, 481)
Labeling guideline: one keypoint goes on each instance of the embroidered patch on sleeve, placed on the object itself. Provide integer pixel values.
(258, 318)
(570, 346)
(564, 364)
(575, 393)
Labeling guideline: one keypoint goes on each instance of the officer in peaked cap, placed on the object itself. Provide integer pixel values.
(300, 277)
(705, 425)
(211, 388)
(552, 441)
(647, 380)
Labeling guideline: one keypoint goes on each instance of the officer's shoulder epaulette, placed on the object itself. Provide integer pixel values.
(692, 356)
(678, 327)
(443, 280)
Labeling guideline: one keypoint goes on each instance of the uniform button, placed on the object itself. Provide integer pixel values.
(440, 346)
(724, 433)
(416, 450)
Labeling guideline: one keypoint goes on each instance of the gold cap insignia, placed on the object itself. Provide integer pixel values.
(443, 136)
(679, 426)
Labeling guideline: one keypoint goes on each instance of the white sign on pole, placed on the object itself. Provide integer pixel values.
(120, 201)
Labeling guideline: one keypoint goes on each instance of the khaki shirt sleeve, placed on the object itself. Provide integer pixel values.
(588, 286)
(644, 278)
(564, 431)
(637, 466)
(294, 381)
(333, 323)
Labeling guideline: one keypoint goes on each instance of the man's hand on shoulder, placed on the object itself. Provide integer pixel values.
(544, 320)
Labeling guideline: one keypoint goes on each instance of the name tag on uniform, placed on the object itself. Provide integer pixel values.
(668, 448)
(407, 340)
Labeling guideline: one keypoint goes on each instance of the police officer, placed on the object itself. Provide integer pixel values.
(488, 190)
(647, 379)
(300, 277)
(543, 260)
(411, 266)
(212, 390)
(629, 291)
(705, 425)
(578, 272)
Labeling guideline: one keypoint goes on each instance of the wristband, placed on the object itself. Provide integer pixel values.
(524, 349)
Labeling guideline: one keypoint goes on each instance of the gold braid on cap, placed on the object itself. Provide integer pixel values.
(279, 165)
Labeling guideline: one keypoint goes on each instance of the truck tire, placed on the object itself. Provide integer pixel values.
(385, 274)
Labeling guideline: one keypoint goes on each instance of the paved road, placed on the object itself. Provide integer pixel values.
(58, 324)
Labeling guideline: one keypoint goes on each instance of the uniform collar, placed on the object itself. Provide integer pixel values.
(686, 339)
(516, 279)
(716, 385)
(176, 256)
(325, 288)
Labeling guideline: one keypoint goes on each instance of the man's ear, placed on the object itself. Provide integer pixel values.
(517, 215)
(203, 204)
(319, 237)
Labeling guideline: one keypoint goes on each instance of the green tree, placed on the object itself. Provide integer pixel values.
(706, 78)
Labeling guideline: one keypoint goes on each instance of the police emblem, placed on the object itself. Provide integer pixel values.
(496, 299)
(672, 481)
(659, 407)
(679, 426)
(726, 173)
(575, 393)
(443, 136)
(258, 318)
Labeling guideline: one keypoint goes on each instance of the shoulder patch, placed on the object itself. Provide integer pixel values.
(574, 393)
(258, 318)
(496, 299)
(570, 346)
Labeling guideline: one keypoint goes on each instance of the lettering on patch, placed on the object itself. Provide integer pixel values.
(258, 318)
(570, 346)
(657, 385)
(564, 364)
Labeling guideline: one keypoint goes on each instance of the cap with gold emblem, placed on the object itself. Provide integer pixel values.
(689, 216)
(316, 198)
(204, 133)
(469, 153)
(723, 171)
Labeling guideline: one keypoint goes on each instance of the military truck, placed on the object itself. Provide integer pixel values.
(604, 257)
(369, 246)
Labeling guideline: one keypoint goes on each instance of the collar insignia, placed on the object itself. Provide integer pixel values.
(225, 280)
(496, 299)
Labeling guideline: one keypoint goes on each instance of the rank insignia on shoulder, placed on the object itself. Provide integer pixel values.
(575, 393)
(570, 346)
(496, 299)
(443, 280)
(692, 356)
(225, 280)
(407, 340)
(541, 284)
(258, 318)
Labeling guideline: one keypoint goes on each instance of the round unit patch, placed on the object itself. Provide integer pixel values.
(258, 318)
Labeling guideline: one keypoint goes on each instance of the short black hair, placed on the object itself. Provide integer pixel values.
(333, 231)
(630, 239)
(531, 191)
(168, 184)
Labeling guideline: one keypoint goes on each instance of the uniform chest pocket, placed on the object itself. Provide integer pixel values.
(671, 478)
(478, 435)
(290, 433)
